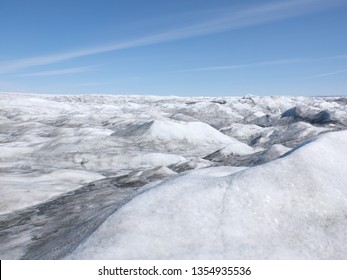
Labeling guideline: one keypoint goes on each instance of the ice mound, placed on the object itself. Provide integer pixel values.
(242, 132)
(170, 130)
(237, 148)
(307, 114)
(195, 163)
(292, 208)
(299, 131)
(141, 178)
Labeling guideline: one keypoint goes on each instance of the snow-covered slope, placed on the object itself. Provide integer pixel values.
(169, 130)
(292, 208)
(68, 162)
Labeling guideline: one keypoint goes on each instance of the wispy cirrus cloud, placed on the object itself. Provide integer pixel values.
(245, 65)
(326, 74)
(270, 62)
(59, 72)
(225, 21)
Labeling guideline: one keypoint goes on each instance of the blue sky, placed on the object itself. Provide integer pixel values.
(181, 47)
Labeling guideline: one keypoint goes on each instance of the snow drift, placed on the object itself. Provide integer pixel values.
(291, 208)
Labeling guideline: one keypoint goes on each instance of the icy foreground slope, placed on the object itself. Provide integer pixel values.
(291, 208)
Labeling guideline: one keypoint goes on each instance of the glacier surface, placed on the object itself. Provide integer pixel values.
(147, 177)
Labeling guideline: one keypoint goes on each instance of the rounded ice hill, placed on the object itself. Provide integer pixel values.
(291, 208)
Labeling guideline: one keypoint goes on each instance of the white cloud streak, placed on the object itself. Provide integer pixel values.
(326, 74)
(59, 72)
(245, 65)
(229, 20)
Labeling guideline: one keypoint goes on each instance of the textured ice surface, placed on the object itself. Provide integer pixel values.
(292, 208)
(22, 190)
(69, 162)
